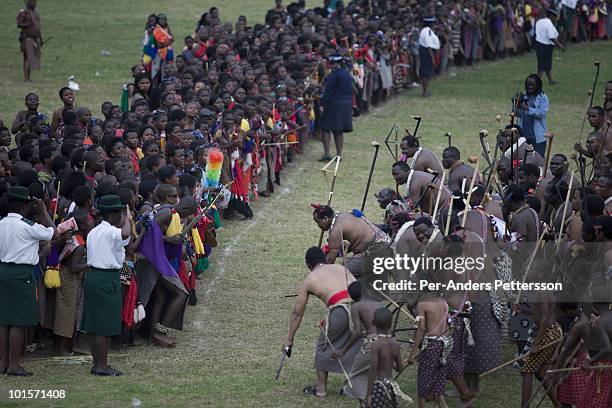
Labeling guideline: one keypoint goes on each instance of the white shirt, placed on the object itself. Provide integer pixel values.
(19, 239)
(105, 247)
(569, 3)
(429, 39)
(545, 31)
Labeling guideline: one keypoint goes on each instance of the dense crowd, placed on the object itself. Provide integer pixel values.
(204, 128)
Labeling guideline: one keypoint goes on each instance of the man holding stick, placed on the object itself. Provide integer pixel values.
(330, 284)
(548, 332)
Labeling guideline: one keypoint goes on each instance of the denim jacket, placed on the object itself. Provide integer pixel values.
(533, 121)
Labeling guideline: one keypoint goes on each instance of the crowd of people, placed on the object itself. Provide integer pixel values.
(110, 217)
(542, 233)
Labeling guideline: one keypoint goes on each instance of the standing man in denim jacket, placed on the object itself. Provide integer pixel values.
(532, 110)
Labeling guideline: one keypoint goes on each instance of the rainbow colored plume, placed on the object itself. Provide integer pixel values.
(214, 162)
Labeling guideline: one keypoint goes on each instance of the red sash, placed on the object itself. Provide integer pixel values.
(338, 296)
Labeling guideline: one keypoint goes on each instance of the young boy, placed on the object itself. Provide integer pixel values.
(386, 355)
(102, 284)
(434, 335)
(362, 316)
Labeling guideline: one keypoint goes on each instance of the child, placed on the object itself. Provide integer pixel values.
(386, 355)
(436, 341)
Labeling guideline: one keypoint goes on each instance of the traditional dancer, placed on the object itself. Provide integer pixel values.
(329, 283)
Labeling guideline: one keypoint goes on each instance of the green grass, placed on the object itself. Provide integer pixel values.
(230, 347)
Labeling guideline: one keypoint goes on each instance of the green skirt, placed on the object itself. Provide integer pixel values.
(102, 302)
(17, 295)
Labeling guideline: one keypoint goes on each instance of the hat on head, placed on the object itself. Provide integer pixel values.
(429, 19)
(18, 193)
(335, 58)
(553, 11)
(110, 203)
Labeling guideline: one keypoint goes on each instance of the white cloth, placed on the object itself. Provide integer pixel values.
(19, 239)
(569, 3)
(429, 39)
(105, 247)
(514, 148)
(545, 31)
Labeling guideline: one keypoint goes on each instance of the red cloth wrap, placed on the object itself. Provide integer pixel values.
(129, 303)
(598, 391)
(338, 296)
(572, 390)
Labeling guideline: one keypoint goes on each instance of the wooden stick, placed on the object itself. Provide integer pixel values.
(394, 303)
(567, 199)
(548, 136)
(492, 175)
(514, 360)
(531, 258)
(57, 193)
(565, 370)
(325, 170)
(435, 211)
(448, 216)
(469, 197)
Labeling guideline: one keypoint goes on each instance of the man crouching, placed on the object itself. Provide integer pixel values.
(330, 284)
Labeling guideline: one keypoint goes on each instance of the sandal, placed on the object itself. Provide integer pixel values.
(19, 372)
(312, 391)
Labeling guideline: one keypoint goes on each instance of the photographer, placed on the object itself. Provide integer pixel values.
(532, 107)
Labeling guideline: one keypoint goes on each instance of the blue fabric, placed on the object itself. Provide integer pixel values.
(338, 85)
(533, 121)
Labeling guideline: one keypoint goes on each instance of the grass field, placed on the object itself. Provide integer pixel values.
(230, 347)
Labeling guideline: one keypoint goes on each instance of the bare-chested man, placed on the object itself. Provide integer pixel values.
(329, 283)
(548, 334)
(427, 233)
(505, 171)
(575, 352)
(422, 159)
(556, 213)
(597, 119)
(559, 170)
(603, 187)
(364, 333)
(513, 143)
(607, 105)
(598, 392)
(386, 355)
(432, 341)
(523, 222)
(365, 239)
(459, 173)
(421, 187)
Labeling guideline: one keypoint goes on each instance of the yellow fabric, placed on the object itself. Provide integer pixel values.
(244, 125)
(311, 114)
(198, 246)
(139, 153)
(175, 226)
(270, 123)
(52, 278)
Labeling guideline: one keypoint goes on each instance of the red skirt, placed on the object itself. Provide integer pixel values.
(598, 392)
(572, 390)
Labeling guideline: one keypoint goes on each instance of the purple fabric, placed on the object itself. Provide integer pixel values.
(456, 359)
(152, 248)
(431, 376)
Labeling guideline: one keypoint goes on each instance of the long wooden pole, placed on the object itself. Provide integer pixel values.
(567, 199)
(531, 258)
(435, 211)
(514, 360)
(469, 197)
(331, 189)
